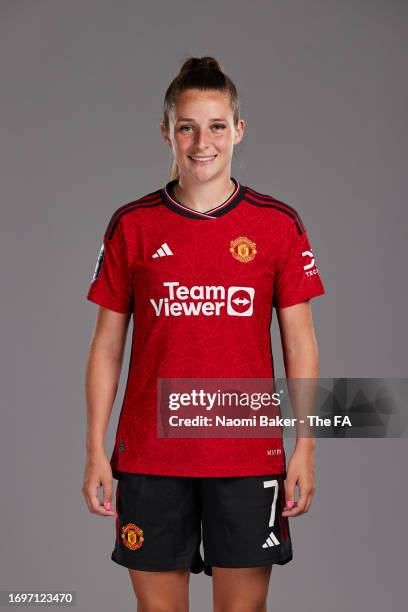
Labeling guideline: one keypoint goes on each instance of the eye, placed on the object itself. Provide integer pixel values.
(217, 126)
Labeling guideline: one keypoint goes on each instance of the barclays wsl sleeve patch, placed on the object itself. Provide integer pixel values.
(99, 263)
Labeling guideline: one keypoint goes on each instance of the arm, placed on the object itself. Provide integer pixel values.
(301, 360)
(101, 383)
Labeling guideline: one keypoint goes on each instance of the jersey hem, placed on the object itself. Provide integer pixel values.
(269, 470)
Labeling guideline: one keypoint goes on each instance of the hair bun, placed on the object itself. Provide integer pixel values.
(200, 63)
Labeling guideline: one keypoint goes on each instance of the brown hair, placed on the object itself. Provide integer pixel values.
(199, 73)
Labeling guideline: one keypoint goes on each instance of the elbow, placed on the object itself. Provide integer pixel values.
(302, 359)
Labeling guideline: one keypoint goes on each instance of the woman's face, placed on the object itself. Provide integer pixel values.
(202, 125)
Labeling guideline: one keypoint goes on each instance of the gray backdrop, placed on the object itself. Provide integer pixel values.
(324, 93)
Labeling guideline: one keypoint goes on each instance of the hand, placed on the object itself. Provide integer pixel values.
(301, 472)
(98, 472)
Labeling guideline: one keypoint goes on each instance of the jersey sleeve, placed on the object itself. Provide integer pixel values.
(297, 278)
(111, 284)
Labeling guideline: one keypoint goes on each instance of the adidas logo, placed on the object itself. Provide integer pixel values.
(163, 250)
(271, 541)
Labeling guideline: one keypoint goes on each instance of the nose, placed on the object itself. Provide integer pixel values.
(202, 140)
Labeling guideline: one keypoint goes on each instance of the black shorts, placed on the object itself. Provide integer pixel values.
(161, 520)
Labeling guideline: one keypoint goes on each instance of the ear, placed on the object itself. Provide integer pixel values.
(239, 131)
(165, 134)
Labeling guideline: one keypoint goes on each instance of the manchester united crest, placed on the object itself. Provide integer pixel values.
(132, 536)
(243, 249)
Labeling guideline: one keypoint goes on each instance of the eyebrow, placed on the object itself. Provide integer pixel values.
(190, 119)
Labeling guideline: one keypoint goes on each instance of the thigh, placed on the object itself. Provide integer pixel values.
(161, 591)
(240, 590)
(243, 526)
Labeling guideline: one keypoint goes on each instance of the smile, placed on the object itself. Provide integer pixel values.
(202, 160)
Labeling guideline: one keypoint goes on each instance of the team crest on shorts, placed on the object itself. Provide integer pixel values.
(243, 249)
(132, 536)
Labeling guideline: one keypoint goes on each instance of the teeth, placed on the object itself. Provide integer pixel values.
(202, 158)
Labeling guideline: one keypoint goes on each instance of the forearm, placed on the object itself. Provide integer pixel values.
(302, 370)
(101, 384)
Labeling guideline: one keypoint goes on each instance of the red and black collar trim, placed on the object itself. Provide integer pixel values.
(230, 203)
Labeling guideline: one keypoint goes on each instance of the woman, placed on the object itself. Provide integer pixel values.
(199, 263)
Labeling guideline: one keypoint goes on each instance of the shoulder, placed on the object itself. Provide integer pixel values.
(281, 212)
(126, 215)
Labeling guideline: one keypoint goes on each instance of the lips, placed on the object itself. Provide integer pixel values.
(201, 159)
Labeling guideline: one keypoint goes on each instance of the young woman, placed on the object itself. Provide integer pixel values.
(200, 263)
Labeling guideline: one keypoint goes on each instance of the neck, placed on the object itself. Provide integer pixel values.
(202, 197)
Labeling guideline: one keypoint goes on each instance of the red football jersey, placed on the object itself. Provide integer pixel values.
(164, 263)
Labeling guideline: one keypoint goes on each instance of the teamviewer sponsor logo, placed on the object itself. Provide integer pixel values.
(240, 301)
(204, 300)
